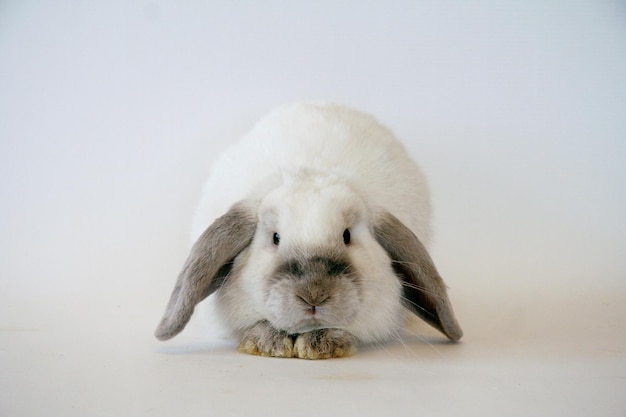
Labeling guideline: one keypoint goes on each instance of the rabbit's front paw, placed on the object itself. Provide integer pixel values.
(324, 344)
(264, 340)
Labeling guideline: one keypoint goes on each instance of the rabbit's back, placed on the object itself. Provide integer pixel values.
(326, 138)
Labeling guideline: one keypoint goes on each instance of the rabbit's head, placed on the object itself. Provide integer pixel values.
(311, 254)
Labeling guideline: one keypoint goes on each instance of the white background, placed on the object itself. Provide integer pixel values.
(112, 112)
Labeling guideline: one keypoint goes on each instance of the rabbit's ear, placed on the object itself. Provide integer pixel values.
(424, 290)
(208, 264)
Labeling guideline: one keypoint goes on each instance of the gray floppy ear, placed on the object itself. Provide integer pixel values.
(424, 289)
(208, 264)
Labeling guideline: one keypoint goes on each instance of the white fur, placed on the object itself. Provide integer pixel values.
(326, 138)
(316, 169)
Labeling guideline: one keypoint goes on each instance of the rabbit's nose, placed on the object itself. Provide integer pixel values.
(313, 301)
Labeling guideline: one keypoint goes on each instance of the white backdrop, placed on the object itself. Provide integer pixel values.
(112, 112)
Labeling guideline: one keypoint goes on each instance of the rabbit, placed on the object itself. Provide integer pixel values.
(318, 242)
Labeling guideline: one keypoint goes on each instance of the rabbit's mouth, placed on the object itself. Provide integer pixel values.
(307, 326)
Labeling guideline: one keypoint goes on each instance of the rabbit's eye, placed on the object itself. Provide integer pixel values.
(346, 236)
(276, 239)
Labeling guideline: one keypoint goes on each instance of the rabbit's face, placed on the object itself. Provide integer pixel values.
(308, 235)
(311, 255)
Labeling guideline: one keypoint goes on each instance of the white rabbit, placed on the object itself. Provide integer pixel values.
(320, 243)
